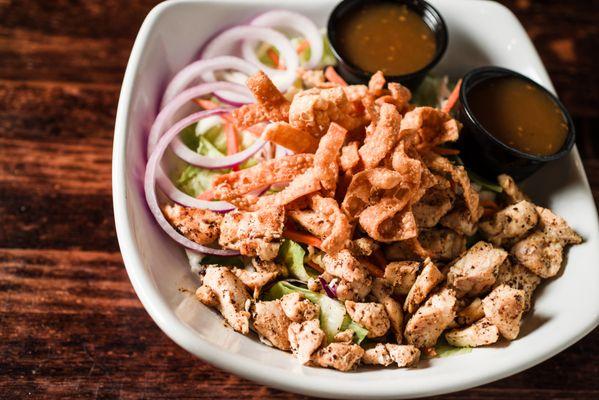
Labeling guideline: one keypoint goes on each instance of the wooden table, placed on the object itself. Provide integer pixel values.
(70, 323)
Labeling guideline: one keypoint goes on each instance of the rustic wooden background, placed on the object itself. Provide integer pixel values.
(70, 324)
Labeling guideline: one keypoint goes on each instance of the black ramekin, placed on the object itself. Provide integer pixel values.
(353, 74)
(484, 153)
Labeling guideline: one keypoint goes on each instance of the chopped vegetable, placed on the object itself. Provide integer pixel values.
(291, 254)
(484, 183)
(453, 97)
(302, 237)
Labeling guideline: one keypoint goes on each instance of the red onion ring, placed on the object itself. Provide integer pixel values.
(296, 22)
(165, 116)
(330, 291)
(152, 168)
(194, 71)
(223, 43)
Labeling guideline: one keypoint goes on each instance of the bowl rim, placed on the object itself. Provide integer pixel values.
(185, 337)
(419, 6)
(469, 81)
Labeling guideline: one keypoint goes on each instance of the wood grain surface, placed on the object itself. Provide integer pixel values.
(70, 324)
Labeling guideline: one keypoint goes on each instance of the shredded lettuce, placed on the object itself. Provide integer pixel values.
(444, 349)
(333, 316)
(430, 91)
(484, 183)
(291, 254)
(328, 58)
(195, 181)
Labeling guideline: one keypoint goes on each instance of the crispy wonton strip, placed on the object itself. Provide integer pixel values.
(350, 157)
(341, 230)
(299, 187)
(388, 221)
(376, 82)
(284, 169)
(272, 102)
(326, 159)
(434, 126)
(333, 76)
(365, 187)
(384, 137)
(291, 138)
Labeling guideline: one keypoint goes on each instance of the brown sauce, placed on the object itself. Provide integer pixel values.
(519, 114)
(388, 37)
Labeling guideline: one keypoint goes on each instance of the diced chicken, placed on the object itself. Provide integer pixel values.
(460, 220)
(442, 243)
(371, 316)
(223, 290)
(299, 309)
(271, 323)
(518, 277)
(386, 354)
(510, 223)
(381, 290)
(476, 270)
(254, 233)
(556, 228)
(504, 307)
(355, 281)
(196, 224)
(305, 338)
(425, 282)
(402, 275)
(539, 254)
(511, 191)
(471, 313)
(253, 279)
(435, 203)
(363, 247)
(311, 77)
(431, 319)
(341, 356)
(481, 333)
(346, 336)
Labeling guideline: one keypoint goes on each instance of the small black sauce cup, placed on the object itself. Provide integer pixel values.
(353, 74)
(484, 153)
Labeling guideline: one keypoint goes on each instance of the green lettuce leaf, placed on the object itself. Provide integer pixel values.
(428, 93)
(444, 349)
(291, 254)
(195, 181)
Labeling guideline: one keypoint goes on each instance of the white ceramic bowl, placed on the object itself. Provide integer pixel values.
(480, 33)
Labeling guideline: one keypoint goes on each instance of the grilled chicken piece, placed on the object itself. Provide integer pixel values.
(254, 233)
(435, 203)
(504, 307)
(363, 247)
(471, 313)
(425, 282)
(299, 309)
(518, 277)
(262, 273)
(196, 224)
(371, 316)
(346, 336)
(556, 228)
(354, 279)
(386, 354)
(481, 333)
(381, 290)
(460, 221)
(223, 290)
(341, 356)
(305, 338)
(271, 323)
(442, 243)
(424, 328)
(475, 271)
(401, 275)
(511, 191)
(510, 223)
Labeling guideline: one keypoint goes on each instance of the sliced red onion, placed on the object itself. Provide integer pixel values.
(287, 20)
(330, 291)
(150, 178)
(185, 153)
(223, 44)
(194, 71)
(166, 115)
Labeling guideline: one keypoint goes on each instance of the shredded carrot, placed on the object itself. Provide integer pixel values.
(232, 141)
(302, 46)
(206, 104)
(333, 76)
(315, 266)
(274, 57)
(444, 151)
(256, 130)
(302, 237)
(453, 97)
(489, 204)
(207, 195)
(373, 269)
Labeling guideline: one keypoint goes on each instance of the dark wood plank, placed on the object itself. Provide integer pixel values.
(70, 324)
